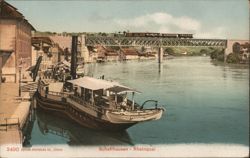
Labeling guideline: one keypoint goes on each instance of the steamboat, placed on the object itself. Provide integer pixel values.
(95, 103)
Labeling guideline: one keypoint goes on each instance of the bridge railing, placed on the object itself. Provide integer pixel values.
(153, 41)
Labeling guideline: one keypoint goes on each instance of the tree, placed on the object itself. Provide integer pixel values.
(203, 51)
(143, 49)
(169, 51)
(233, 58)
(104, 34)
(236, 47)
(217, 54)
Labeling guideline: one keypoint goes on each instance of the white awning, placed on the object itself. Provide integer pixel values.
(93, 83)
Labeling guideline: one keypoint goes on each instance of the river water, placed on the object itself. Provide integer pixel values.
(204, 102)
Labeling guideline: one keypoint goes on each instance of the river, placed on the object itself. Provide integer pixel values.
(204, 102)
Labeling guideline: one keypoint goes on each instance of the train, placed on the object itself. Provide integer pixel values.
(152, 34)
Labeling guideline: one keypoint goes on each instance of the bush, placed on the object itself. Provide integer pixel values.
(217, 55)
(170, 51)
(203, 51)
(233, 58)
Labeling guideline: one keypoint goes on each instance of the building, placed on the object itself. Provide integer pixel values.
(15, 42)
(128, 54)
(111, 54)
(148, 55)
(102, 54)
(93, 54)
(44, 46)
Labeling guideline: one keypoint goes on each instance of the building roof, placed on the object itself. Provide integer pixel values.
(109, 49)
(38, 40)
(6, 50)
(62, 41)
(7, 11)
(129, 51)
(111, 54)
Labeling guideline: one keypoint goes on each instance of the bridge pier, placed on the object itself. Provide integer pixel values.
(160, 55)
(226, 53)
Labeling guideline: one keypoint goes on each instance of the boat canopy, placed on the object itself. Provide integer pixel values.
(96, 84)
(92, 83)
(121, 89)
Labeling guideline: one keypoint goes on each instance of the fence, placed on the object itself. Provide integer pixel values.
(8, 123)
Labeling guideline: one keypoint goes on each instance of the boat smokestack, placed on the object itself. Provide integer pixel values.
(74, 56)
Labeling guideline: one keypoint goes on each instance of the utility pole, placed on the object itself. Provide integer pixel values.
(20, 71)
(74, 56)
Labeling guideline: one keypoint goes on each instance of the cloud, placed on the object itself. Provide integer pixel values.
(96, 17)
(167, 23)
(160, 20)
(217, 32)
(186, 23)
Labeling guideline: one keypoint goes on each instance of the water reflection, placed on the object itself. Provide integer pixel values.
(56, 124)
(235, 71)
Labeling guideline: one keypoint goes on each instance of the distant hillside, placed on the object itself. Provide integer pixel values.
(189, 51)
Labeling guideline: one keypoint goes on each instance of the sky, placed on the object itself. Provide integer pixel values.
(204, 18)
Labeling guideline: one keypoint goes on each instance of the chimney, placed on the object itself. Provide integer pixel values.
(74, 56)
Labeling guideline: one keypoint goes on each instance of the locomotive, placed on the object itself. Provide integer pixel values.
(151, 34)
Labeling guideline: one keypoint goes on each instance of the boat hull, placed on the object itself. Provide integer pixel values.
(80, 117)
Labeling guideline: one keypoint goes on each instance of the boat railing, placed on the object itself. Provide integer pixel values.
(62, 94)
(129, 102)
(9, 122)
(152, 101)
(78, 100)
(82, 102)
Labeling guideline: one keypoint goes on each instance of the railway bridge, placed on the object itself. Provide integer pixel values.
(159, 42)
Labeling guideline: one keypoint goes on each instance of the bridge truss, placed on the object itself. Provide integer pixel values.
(153, 42)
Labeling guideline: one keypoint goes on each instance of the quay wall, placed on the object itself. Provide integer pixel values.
(14, 114)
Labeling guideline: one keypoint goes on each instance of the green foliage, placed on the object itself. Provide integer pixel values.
(143, 49)
(191, 51)
(233, 58)
(236, 47)
(217, 54)
(203, 51)
(170, 51)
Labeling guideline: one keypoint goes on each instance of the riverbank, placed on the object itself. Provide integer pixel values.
(221, 63)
